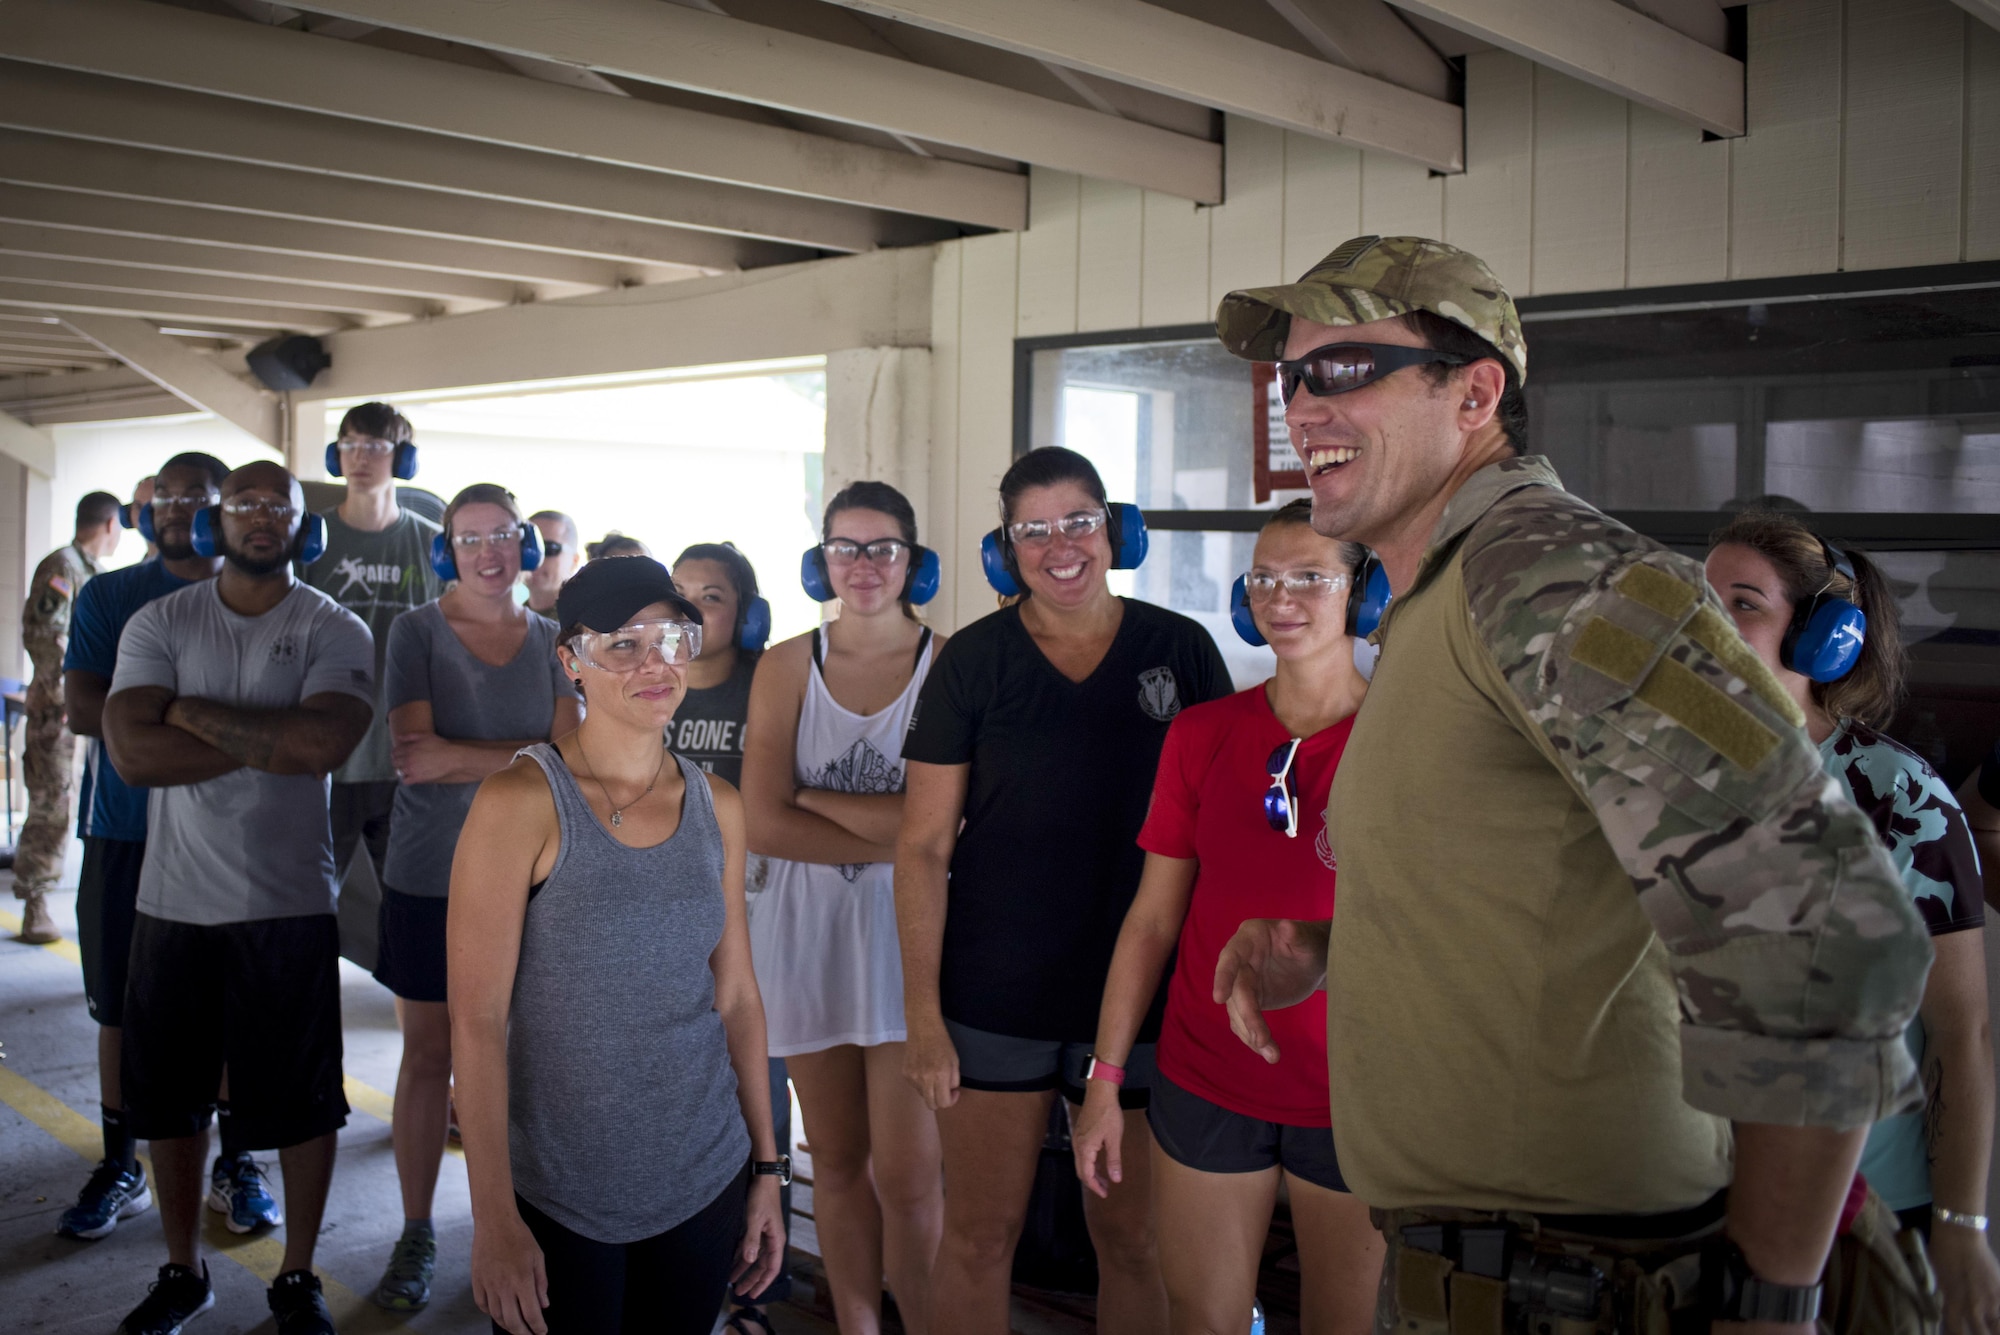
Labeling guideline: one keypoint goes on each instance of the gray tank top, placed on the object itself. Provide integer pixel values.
(622, 1111)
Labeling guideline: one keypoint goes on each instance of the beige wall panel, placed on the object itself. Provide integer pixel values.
(1111, 232)
(945, 373)
(1247, 233)
(1679, 226)
(1904, 144)
(1400, 198)
(1785, 173)
(1322, 200)
(985, 404)
(1579, 173)
(1048, 254)
(1982, 144)
(1490, 209)
(1173, 278)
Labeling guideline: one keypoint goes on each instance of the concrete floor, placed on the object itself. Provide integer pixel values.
(49, 1140)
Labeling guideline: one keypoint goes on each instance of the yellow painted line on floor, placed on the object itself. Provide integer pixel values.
(262, 1256)
(66, 948)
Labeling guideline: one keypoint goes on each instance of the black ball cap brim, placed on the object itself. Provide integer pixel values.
(607, 592)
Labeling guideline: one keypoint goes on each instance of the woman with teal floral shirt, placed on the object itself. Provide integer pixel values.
(1929, 1166)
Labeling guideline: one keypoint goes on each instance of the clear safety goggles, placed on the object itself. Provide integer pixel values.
(1262, 585)
(366, 445)
(506, 537)
(627, 648)
(882, 551)
(1076, 526)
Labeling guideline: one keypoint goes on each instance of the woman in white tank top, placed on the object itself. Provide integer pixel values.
(823, 796)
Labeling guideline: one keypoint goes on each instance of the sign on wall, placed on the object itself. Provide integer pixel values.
(1274, 465)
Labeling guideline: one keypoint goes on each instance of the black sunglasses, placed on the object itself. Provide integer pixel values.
(1340, 367)
(550, 547)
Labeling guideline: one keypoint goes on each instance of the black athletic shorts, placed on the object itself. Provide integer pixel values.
(409, 945)
(1004, 1064)
(263, 999)
(1212, 1139)
(107, 899)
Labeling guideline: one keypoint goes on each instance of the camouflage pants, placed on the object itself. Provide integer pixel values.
(48, 756)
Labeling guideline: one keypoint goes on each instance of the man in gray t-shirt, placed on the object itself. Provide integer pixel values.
(232, 700)
(378, 566)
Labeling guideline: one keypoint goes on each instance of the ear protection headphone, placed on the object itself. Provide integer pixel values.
(919, 586)
(1127, 521)
(1367, 600)
(445, 565)
(145, 524)
(307, 548)
(753, 626)
(402, 463)
(125, 519)
(1825, 638)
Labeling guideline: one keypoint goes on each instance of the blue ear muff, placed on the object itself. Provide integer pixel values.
(442, 563)
(206, 538)
(125, 519)
(145, 524)
(207, 531)
(1825, 638)
(924, 580)
(755, 632)
(403, 464)
(1132, 540)
(1368, 599)
(531, 537)
(813, 577)
(1239, 614)
(312, 539)
(993, 561)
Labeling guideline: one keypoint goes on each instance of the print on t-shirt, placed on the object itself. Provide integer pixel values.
(1324, 844)
(697, 737)
(1159, 694)
(862, 769)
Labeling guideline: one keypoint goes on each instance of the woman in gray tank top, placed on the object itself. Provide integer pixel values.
(606, 1025)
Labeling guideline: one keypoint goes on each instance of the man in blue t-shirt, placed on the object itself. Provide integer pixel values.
(113, 822)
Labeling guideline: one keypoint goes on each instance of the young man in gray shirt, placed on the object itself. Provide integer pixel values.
(378, 566)
(232, 699)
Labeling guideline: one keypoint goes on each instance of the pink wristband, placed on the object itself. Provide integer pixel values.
(1096, 1069)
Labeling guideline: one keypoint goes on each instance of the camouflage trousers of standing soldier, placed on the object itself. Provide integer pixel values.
(1468, 1272)
(48, 756)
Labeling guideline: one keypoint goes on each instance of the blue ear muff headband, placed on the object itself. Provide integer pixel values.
(1128, 524)
(920, 587)
(445, 566)
(308, 548)
(755, 631)
(403, 463)
(1825, 638)
(1367, 599)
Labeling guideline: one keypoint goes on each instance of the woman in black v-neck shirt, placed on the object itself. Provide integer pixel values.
(1039, 728)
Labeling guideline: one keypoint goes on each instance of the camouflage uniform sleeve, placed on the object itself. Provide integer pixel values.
(1797, 954)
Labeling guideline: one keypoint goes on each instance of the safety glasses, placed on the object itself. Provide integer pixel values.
(505, 537)
(881, 552)
(1340, 367)
(627, 648)
(1262, 585)
(1076, 526)
(1281, 799)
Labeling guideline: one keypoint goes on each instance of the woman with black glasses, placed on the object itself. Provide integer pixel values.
(1030, 764)
(1238, 830)
(823, 794)
(470, 679)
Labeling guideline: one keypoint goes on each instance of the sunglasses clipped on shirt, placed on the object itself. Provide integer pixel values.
(1340, 367)
(1281, 799)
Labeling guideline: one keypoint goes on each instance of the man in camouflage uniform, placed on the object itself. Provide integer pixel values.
(48, 752)
(1617, 980)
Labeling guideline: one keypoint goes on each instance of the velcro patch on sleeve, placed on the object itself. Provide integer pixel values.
(1670, 597)
(1712, 631)
(1720, 722)
(1609, 648)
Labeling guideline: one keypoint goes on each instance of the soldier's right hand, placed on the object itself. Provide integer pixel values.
(1269, 964)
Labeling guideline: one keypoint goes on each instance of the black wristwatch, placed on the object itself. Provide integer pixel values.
(780, 1168)
(1737, 1294)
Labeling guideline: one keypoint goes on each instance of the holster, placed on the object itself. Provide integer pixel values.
(1879, 1278)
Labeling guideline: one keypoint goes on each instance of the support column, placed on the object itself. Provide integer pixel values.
(878, 422)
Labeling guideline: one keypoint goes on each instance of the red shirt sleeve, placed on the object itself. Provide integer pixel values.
(1169, 827)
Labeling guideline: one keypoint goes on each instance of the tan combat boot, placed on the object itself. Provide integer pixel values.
(38, 928)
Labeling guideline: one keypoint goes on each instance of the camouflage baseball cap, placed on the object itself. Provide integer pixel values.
(1377, 278)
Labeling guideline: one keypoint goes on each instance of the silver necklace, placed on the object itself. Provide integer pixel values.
(618, 812)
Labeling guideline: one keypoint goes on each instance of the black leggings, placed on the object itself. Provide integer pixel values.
(672, 1283)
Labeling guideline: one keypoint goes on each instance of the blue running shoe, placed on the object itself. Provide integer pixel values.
(239, 1190)
(114, 1192)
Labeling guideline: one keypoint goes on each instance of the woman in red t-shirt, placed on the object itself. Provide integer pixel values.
(1226, 1124)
